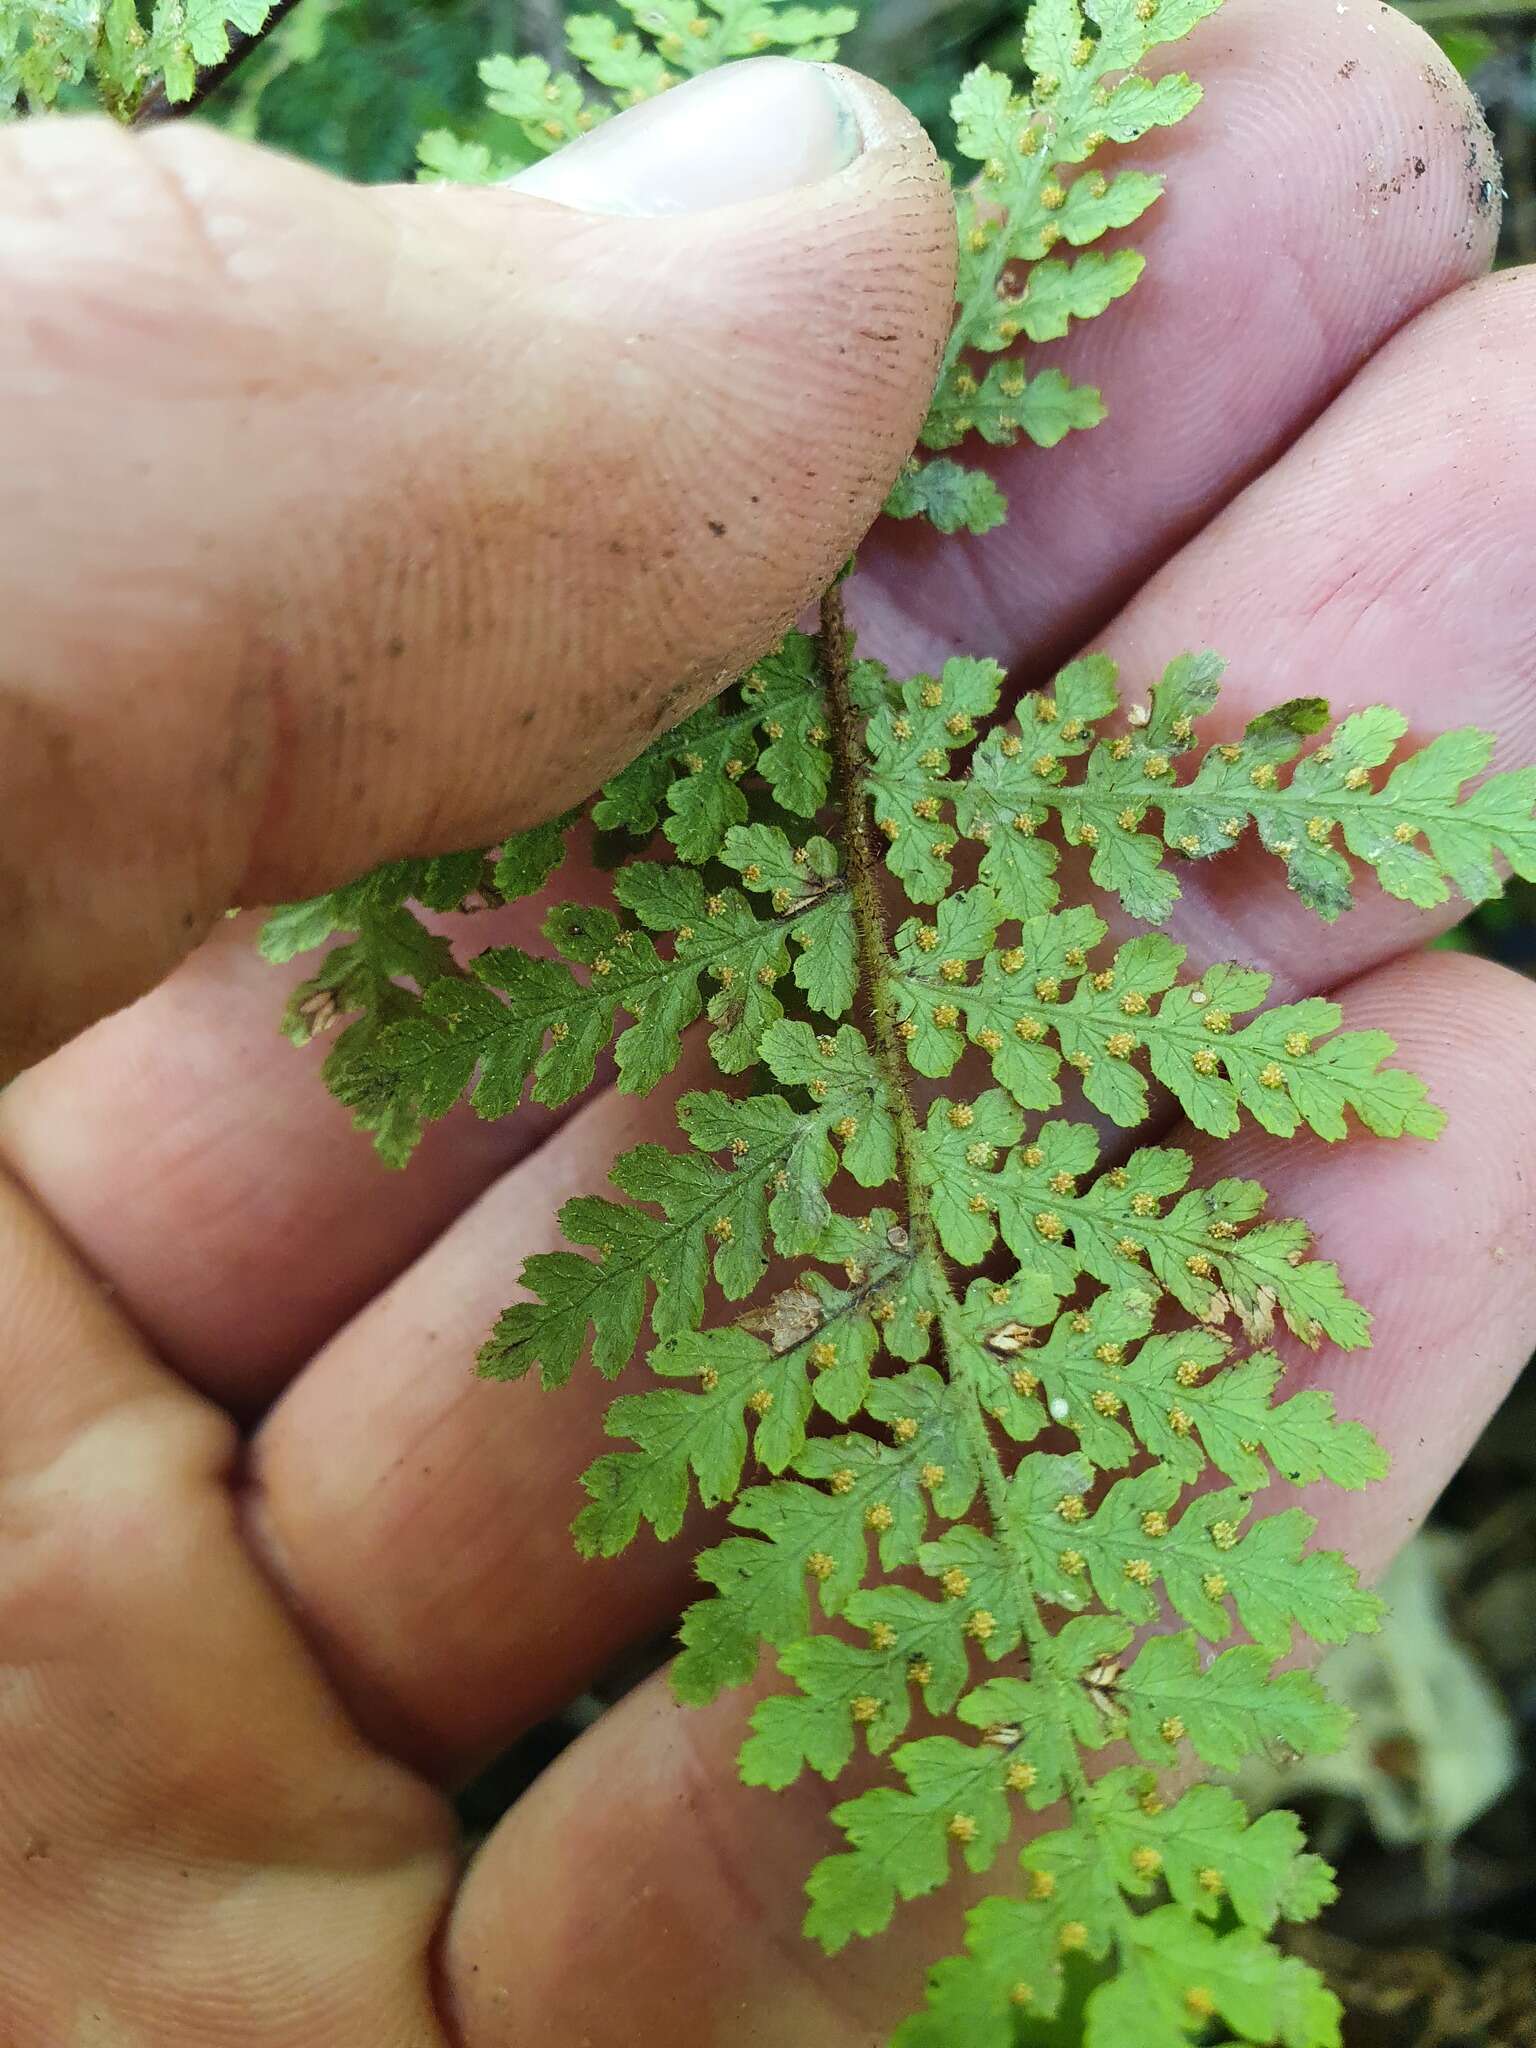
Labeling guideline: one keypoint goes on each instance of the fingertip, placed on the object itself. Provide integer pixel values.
(1336, 179)
(712, 404)
(1462, 154)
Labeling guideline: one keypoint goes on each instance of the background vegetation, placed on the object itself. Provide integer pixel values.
(1432, 1812)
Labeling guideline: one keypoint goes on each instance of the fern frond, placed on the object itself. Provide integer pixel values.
(1115, 1306)
(1130, 1319)
(1424, 836)
(1045, 1003)
(948, 495)
(1096, 1372)
(989, 1452)
(715, 1221)
(1210, 1857)
(1032, 195)
(521, 1017)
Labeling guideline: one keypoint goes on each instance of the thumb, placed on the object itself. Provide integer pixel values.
(340, 524)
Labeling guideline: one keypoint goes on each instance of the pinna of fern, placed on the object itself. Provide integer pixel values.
(980, 1371)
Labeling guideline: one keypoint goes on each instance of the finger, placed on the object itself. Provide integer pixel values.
(204, 1173)
(419, 1517)
(198, 1845)
(644, 1896)
(1389, 558)
(410, 514)
(1337, 178)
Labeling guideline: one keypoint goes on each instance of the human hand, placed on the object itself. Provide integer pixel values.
(335, 556)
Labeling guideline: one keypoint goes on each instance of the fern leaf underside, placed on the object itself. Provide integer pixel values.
(986, 1387)
(981, 1426)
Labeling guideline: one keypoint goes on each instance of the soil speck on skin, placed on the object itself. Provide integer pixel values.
(716, 527)
(1415, 168)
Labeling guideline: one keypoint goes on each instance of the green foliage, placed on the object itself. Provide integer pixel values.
(541, 109)
(1034, 194)
(352, 85)
(950, 496)
(389, 964)
(1099, 1391)
(1469, 49)
(990, 1452)
(117, 47)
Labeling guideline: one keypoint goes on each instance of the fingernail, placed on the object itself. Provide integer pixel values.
(747, 131)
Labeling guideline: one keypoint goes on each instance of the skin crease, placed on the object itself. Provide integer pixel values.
(213, 1660)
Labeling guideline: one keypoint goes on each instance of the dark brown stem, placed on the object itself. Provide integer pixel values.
(865, 868)
(155, 107)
